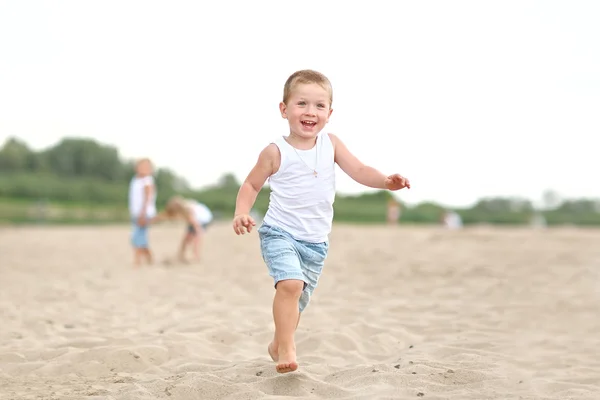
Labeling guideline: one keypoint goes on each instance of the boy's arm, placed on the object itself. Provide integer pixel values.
(361, 173)
(161, 216)
(354, 168)
(148, 187)
(266, 165)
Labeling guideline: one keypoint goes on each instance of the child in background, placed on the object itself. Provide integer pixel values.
(294, 233)
(142, 208)
(393, 211)
(197, 215)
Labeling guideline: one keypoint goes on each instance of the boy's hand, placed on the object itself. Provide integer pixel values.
(243, 223)
(396, 182)
(141, 220)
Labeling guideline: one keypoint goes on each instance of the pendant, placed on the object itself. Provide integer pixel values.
(315, 173)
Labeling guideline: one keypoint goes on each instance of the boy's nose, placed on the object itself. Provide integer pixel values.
(310, 110)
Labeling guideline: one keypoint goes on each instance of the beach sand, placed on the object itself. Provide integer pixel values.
(400, 313)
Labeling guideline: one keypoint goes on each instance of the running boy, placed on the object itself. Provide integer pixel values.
(142, 208)
(294, 233)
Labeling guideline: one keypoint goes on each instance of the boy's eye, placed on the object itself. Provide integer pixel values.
(321, 105)
(301, 103)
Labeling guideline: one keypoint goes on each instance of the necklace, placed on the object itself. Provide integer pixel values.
(314, 170)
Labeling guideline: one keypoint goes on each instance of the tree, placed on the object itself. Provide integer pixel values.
(228, 181)
(15, 156)
(73, 157)
(167, 180)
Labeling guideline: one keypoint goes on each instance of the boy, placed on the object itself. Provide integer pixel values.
(197, 216)
(294, 233)
(142, 208)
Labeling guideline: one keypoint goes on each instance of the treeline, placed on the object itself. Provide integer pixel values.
(80, 172)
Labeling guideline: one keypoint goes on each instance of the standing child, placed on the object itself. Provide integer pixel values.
(393, 211)
(142, 208)
(295, 230)
(197, 216)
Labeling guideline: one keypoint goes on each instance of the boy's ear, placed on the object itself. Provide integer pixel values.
(329, 116)
(283, 110)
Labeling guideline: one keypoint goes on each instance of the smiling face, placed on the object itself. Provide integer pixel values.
(307, 109)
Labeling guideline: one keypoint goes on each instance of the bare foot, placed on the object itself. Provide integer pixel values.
(287, 361)
(272, 352)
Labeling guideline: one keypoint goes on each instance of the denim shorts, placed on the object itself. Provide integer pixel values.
(288, 258)
(191, 229)
(139, 235)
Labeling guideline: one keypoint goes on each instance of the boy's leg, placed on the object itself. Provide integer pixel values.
(144, 245)
(139, 241)
(148, 255)
(274, 345)
(286, 315)
(197, 243)
(137, 257)
(187, 238)
(312, 258)
(278, 251)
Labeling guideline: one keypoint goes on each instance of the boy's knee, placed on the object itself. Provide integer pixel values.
(291, 287)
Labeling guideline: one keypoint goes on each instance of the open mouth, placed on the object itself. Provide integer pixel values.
(308, 124)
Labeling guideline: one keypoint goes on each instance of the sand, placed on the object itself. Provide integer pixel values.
(400, 313)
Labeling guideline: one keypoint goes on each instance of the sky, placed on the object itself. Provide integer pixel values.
(467, 99)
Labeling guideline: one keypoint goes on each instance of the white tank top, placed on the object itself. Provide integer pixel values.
(300, 202)
(201, 211)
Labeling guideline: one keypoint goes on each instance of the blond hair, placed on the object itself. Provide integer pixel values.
(142, 160)
(306, 76)
(176, 205)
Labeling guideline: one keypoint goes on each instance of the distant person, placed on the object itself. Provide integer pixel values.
(393, 212)
(451, 220)
(538, 220)
(197, 217)
(142, 208)
(301, 172)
